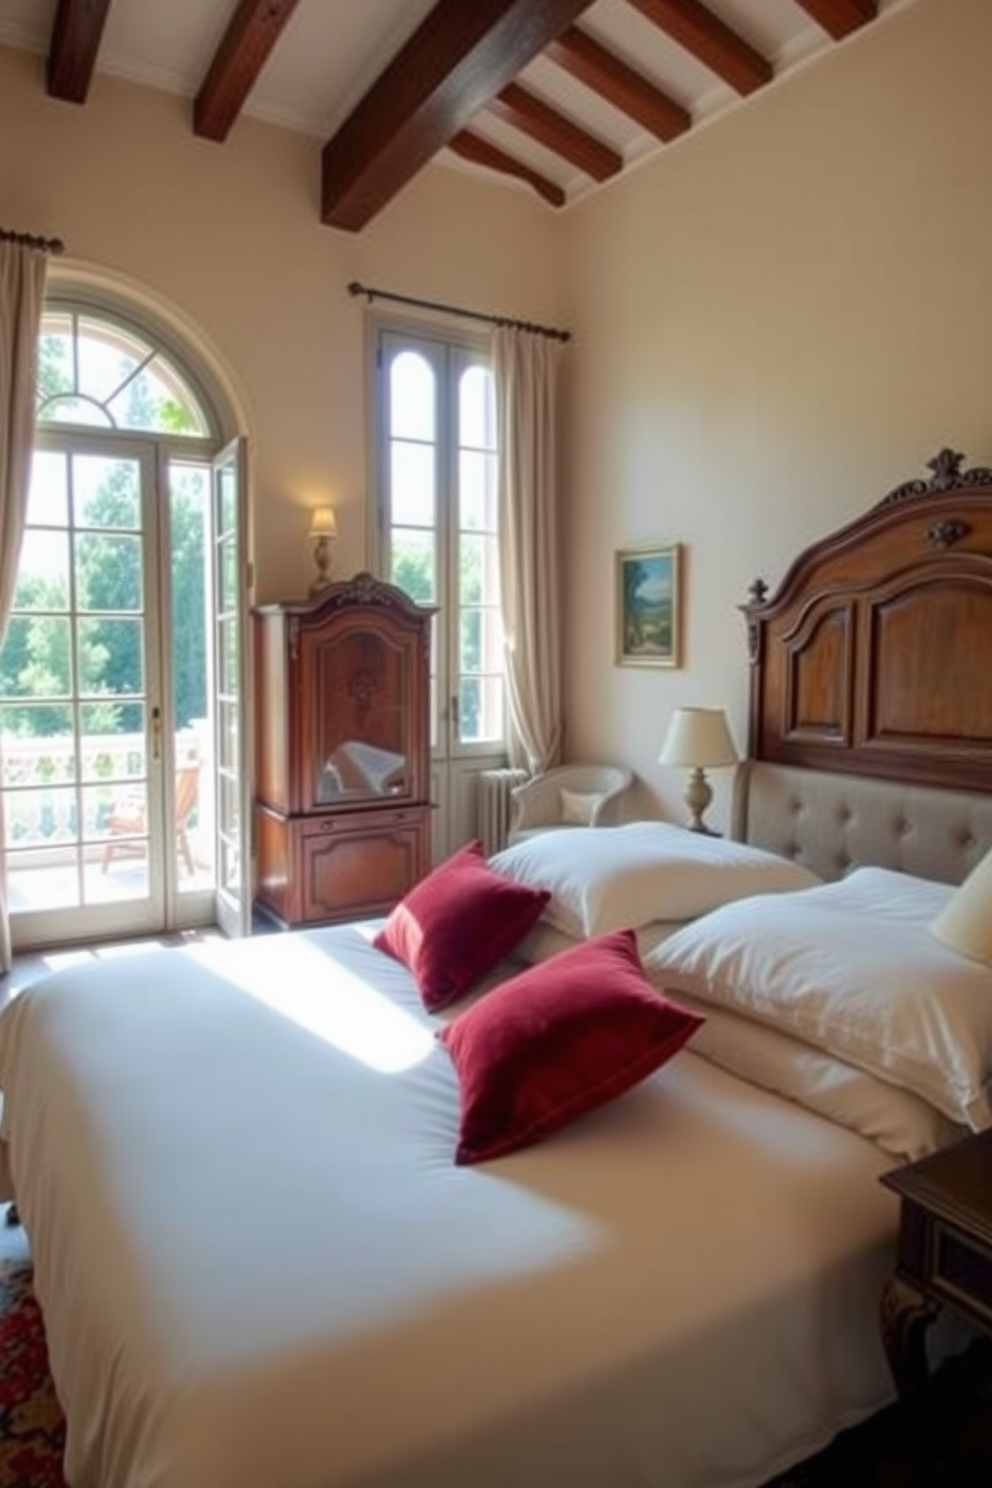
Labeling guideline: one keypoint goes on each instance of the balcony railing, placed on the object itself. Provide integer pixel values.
(55, 795)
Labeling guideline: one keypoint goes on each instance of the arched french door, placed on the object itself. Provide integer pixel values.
(121, 744)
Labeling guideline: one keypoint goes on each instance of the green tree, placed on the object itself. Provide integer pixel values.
(108, 578)
(189, 647)
(413, 572)
(35, 659)
(54, 367)
(36, 653)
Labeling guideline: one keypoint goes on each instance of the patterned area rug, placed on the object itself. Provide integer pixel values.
(873, 1455)
(32, 1432)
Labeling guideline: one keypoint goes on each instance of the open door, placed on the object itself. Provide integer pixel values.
(230, 700)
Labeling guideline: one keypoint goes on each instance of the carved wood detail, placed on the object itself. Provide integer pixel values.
(871, 655)
(342, 756)
(817, 705)
(946, 533)
(947, 476)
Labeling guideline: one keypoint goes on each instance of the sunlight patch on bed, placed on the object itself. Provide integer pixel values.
(325, 997)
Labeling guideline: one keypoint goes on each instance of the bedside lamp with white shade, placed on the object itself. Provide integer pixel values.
(700, 739)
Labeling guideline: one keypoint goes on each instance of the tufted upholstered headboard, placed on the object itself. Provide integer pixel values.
(870, 730)
(834, 822)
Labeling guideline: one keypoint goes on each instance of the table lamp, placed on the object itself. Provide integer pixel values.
(699, 738)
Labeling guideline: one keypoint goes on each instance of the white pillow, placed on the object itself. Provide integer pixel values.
(612, 878)
(965, 922)
(851, 968)
(578, 807)
(897, 1120)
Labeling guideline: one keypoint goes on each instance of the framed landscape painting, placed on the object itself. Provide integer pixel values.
(647, 597)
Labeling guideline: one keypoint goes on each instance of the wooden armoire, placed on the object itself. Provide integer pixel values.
(342, 752)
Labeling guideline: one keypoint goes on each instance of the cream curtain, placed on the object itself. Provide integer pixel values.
(22, 291)
(526, 367)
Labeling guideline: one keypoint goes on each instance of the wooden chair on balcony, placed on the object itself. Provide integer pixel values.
(127, 818)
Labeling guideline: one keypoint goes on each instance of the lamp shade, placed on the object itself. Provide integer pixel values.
(965, 922)
(323, 522)
(698, 736)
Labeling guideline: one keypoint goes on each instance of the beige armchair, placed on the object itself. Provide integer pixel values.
(568, 796)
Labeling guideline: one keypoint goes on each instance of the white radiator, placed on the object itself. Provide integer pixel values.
(493, 814)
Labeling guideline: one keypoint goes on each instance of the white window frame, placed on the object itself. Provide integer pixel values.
(453, 351)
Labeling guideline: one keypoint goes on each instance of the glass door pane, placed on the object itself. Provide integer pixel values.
(480, 627)
(231, 776)
(190, 558)
(80, 708)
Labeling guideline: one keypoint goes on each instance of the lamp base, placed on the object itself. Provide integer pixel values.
(322, 558)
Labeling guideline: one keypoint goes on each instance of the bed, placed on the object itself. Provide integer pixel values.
(259, 1265)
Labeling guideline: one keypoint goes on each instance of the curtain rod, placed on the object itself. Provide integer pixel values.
(354, 288)
(28, 240)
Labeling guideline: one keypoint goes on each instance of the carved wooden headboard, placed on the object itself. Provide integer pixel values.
(874, 656)
(870, 730)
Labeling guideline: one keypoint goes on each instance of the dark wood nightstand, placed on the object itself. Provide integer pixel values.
(944, 1260)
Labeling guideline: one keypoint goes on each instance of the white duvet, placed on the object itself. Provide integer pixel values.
(260, 1268)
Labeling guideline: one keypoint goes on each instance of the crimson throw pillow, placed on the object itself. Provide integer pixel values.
(561, 1038)
(455, 924)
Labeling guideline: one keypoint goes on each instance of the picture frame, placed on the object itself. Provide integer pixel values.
(648, 605)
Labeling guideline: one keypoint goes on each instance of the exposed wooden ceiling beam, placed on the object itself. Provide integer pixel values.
(72, 54)
(514, 105)
(712, 42)
(252, 32)
(840, 17)
(471, 147)
(459, 58)
(601, 70)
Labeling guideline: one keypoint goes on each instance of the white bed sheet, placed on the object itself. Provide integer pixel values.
(260, 1268)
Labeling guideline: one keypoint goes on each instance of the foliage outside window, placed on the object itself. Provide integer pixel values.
(437, 441)
(75, 626)
(97, 373)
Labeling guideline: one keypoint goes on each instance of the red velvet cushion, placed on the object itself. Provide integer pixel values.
(565, 1036)
(455, 924)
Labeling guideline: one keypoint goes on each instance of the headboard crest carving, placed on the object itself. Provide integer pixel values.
(872, 655)
(947, 476)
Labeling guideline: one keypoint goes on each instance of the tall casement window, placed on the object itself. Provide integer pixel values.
(437, 513)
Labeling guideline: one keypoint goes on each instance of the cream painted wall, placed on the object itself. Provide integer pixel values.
(226, 240)
(778, 320)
